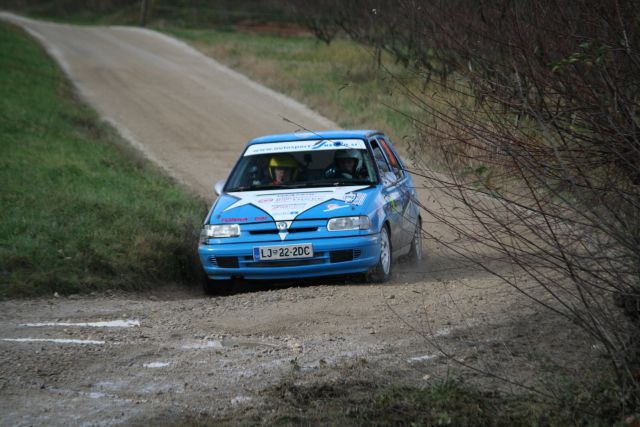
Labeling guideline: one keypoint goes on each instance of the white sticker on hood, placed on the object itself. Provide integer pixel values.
(355, 198)
(285, 205)
(332, 207)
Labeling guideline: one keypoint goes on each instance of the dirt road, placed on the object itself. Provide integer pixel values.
(169, 356)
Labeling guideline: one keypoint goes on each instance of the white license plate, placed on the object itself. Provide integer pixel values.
(302, 250)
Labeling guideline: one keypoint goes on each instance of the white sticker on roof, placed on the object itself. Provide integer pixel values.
(292, 146)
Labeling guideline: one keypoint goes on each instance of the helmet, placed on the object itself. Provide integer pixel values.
(349, 154)
(283, 161)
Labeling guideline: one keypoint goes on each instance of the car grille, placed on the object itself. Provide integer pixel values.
(225, 261)
(289, 263)
(343, 255)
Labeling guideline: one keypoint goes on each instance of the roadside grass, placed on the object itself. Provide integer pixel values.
(444, 402)
(81, 211)
(360, 402)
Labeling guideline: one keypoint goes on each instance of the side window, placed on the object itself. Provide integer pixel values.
(393, 160)
(378, 156)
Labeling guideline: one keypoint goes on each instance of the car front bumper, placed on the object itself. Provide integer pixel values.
(332, 256)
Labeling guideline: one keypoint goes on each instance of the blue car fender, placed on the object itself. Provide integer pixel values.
(379, 210)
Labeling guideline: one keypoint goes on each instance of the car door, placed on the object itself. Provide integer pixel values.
(408, 210)
(390, 192)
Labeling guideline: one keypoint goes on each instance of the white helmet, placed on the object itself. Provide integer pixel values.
(350, 154)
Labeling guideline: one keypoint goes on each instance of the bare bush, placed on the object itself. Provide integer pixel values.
(535, 113)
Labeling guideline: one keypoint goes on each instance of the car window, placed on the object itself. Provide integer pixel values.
(386, 171)
(393, 160)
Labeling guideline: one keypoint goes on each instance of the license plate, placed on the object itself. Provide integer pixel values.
(303, 250)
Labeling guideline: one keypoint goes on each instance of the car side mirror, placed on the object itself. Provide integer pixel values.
(389, 178)
(219, 186)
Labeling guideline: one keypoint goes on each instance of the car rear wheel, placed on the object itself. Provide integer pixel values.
(415, 253)
(382, 270)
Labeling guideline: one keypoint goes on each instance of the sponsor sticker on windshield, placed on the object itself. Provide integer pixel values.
(293, 146)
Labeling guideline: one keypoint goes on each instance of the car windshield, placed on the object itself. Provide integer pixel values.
(302, 169)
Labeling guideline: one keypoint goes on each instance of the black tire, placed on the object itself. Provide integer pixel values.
(381, 272)
(215, 287)
(415, 253)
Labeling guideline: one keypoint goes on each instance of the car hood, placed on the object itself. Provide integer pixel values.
(287, 205)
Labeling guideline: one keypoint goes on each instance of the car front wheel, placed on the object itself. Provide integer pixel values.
(215, 287)
(381, 272)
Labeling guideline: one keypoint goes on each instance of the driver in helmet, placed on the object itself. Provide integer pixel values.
(283, 168)
(347, 164)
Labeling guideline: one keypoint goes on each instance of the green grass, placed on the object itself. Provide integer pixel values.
(342, 81)
(79, 211)
(363, 403)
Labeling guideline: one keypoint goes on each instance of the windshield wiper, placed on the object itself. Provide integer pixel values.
(352, 182)
(254, 188)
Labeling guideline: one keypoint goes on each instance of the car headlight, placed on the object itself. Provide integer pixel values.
(219, 230)
(349, 223)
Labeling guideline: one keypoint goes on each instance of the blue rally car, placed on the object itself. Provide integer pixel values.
(311, 204)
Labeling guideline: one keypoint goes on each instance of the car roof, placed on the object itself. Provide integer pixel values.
(310, 135)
